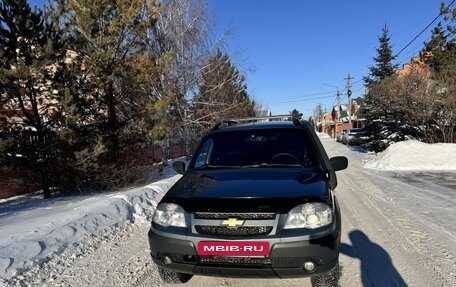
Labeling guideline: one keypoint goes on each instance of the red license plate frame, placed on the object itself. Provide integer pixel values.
(234, 248)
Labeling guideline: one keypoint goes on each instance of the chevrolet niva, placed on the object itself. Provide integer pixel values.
(256, 200)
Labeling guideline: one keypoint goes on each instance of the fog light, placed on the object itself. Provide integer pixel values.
(166, 260)
(309, 266)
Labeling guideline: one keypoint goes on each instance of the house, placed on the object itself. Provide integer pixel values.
(416, 64)
(339, 118)
(343, 117)
(326, 123)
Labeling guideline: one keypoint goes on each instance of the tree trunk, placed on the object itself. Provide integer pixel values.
(45, 182)
(112, 121)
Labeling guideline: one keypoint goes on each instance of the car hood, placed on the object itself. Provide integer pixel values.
(247, 190)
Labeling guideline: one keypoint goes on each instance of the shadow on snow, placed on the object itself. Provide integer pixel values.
(377, 268)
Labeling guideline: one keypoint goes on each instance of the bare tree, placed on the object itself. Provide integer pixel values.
(440, 54)
(392, 112)
(318, 112)
(180, 38)
(444, 108)
(413, 105)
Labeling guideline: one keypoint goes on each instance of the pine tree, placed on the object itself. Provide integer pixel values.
(223, 92)
(384, 60)
(433, 49)
(109, 36)
(381, 123)
(31, 64)
(107, 96)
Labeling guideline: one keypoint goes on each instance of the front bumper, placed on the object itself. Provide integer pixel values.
(286, 258)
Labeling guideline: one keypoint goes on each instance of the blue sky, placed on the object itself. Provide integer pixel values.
(295, 46)
(289, 49)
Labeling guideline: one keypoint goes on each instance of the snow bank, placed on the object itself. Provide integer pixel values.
(32, 232)
(413, 155)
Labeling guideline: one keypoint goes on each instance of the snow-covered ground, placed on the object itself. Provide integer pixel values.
(101, 240)
(33, 230)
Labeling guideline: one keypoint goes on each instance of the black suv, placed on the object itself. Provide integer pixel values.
(256, 200)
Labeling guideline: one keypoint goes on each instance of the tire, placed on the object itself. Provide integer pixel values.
(328, 279)
(173, 277)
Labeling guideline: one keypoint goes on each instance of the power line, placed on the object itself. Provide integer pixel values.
(298, 98)
(425, 28)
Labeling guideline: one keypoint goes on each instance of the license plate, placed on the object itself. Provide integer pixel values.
(233, 248)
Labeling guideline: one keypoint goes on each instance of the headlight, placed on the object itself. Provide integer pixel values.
(170, 214)
(309, 215)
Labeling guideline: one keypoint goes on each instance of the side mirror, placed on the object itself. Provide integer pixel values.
(339, 162)
(179, 167)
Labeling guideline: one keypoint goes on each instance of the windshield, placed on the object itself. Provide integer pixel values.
(261, 147)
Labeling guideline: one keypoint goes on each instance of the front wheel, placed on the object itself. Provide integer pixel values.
(173, 277)
(328, 279)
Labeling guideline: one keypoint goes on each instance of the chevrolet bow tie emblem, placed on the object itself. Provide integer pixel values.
(232, 222)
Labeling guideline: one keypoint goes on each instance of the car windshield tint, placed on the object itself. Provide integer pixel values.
(262, 147)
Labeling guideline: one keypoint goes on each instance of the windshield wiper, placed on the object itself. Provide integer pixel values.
(211, 166)
(264, 164)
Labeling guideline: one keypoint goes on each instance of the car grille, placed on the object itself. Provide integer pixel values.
(286, 262)
(239, 231)
(252, 261)
(242, 216)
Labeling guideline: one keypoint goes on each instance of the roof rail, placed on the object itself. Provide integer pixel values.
(252, 119)
(236, 121)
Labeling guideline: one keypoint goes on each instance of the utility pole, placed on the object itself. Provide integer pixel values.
(338, 100)
(337, 94)
(349, 93)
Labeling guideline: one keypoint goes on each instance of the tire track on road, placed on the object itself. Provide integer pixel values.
(410, 231)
